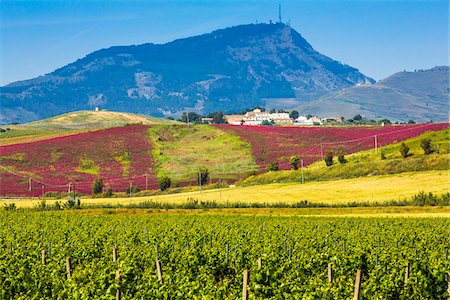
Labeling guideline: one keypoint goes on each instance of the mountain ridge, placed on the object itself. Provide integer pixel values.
(228, 69)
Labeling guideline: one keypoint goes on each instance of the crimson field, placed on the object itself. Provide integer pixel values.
(122, 156)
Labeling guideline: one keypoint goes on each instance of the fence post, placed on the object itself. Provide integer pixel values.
(43, 257)
(356, 295)
(407, 272)
(114, 254)
(118, 293)
(330, 273)
(244, 285)
(68, 268)
(159, 271)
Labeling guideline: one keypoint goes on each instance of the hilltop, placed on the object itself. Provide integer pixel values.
(420, 96)
(230, 70)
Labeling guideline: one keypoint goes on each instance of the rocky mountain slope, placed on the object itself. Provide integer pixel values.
(229, 69)
(421, 96)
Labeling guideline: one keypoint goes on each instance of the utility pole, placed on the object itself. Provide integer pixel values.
(279, 13)
(29, 184)
(321, 151)
(68, 189)
(146, 181)
(376, 144)
(301, 164)
(131, 189)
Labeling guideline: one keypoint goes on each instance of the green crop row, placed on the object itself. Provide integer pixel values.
(203, 256)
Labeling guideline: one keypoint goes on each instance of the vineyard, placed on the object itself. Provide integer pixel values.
(62, 255)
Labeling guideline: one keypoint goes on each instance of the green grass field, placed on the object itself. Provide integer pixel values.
(179, 151)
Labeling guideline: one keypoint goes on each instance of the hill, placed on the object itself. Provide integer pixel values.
(72, 123)
(420, 96)
(229, 69)
(387, 160)
(139, 154)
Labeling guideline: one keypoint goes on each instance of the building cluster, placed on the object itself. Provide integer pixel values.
(258, 117)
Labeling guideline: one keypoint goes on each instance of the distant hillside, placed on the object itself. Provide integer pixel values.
(420, 96)
(230, 70)
(96, 119)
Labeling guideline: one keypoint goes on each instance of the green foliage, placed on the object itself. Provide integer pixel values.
(382, 155)
(268, 123)
(203, 176)
(218, 118)
(425, 144)
(164, 183)
(293, 114)
(10, 206)
(341, 159)
(294, 161)
(328, 158)
(97, 186)
(404, 150)
(132, 189)
(273, 166)
(203, 256)
(72, 203)
(109, 193)
(431, 199)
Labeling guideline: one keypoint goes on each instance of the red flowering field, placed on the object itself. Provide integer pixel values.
(117, 155)
(273, 143)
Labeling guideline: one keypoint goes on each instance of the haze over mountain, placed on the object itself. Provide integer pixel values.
(230, 70)
(421, 96)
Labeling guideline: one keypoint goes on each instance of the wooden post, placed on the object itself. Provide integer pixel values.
(43, 257)
(407, 272)
(68, 268)
(330, 273)
(114, 254)
(118, 293)
(356, 295)
(244, 285)
(301, 164)
(259, 262)
(159, 271)
(30, 188)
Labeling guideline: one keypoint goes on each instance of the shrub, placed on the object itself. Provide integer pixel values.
(133, 189)
(341, 159)
(328, 158)
(404, 150)
(109, 193)
(294, 160)
(97, 186)
(382, 155)
(426, 146)
(164, 183)
(72, 203)
(10, 206)
(273, 166)
(203, 176)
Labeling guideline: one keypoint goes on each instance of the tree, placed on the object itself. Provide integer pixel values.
(426, 146)
(341, 159)
(109, 193)
(267, 123)
(293, 114)
(294, 161)
(273, 166)
(411, 122)
(218, 118)
(191, 117)
(203, 175)
(328, 158)
(97, 186)
(170, 118)
(133, 189)
(404, 150)
(358, 117)
(164, 183)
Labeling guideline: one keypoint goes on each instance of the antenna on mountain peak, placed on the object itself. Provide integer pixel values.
(279, 13)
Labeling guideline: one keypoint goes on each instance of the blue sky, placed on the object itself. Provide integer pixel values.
(377, 37)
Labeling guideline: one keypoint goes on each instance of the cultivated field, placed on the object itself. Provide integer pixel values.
(55, 254)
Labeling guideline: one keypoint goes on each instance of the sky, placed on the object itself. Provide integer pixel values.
(378, 37)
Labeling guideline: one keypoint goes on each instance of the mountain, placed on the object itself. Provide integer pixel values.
(230, 69)
(421, 96)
